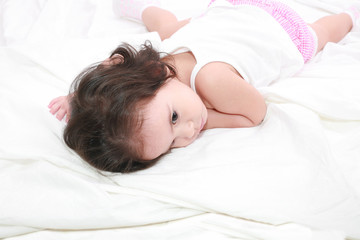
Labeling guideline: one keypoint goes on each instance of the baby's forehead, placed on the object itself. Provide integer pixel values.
(153, 145)
(155, 130)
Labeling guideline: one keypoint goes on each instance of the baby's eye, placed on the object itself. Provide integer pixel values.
(174, 117)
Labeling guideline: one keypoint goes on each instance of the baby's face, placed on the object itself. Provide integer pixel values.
(173, 118)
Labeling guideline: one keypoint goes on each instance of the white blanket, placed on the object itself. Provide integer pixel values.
(297, 176)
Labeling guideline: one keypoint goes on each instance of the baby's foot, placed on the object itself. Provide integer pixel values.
(211, 2)
(354, 13)
(132, 8)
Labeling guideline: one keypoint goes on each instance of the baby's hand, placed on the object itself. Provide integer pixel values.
(61, 107)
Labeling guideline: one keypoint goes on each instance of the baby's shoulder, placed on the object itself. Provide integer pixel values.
(215, 78)
(216, 68)
(214, 72)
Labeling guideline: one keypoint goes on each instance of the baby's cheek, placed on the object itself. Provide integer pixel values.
(183, 143)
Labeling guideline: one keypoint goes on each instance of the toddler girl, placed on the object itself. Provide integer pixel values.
(132, 108)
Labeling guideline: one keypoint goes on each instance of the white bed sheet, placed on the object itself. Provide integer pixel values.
(297, 176)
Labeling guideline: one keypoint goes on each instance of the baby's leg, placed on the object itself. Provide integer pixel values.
(155, 18)
(162, 21)
(332, 28)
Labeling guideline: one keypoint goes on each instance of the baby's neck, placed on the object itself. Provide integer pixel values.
(184, 65)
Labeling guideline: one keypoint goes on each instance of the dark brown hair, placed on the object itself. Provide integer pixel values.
(106, 103)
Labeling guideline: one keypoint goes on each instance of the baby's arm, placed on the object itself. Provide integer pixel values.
(218, 119)
(233, 101)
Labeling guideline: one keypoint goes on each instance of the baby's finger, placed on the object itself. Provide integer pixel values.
(55, 108)
(55, 100)
(60, 115)
(67, 117)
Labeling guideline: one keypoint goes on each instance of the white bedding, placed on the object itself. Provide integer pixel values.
(297, 176)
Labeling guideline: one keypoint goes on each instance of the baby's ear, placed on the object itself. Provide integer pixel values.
(113, 60)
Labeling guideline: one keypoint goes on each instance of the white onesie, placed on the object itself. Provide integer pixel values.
(244, 36)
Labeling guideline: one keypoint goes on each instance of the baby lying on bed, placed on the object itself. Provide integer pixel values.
(129, 110)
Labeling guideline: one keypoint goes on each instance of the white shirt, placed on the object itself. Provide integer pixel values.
(246, 37)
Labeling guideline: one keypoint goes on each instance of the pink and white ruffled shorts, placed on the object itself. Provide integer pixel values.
(300, 33)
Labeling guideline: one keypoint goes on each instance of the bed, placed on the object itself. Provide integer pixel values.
(296, 176)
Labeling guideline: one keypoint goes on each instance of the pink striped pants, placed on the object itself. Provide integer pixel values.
(298, 30)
